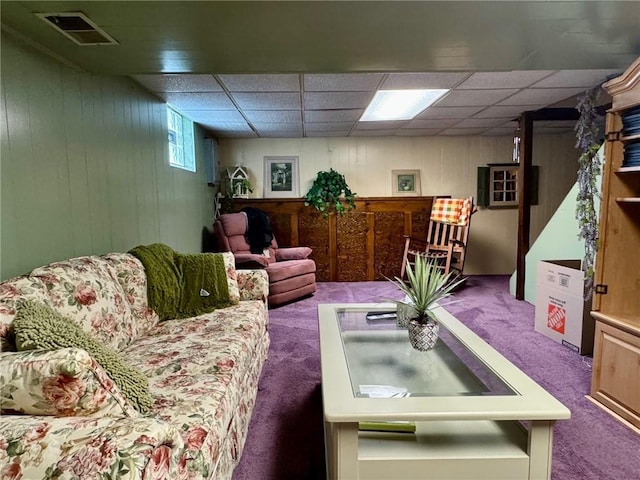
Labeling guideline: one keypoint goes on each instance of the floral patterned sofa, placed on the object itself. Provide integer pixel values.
(62, 415)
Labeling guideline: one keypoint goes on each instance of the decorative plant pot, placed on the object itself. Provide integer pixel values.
(404, 313)
(423, 336)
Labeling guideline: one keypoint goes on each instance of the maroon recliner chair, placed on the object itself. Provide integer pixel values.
(292, 274)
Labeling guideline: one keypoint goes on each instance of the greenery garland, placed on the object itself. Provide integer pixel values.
(587, 134)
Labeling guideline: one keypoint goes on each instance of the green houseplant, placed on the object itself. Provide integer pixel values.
(330, 191)
(426, 284)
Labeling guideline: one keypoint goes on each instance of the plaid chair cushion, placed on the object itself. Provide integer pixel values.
(455, 211)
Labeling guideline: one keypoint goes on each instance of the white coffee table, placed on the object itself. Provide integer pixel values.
(477, 415)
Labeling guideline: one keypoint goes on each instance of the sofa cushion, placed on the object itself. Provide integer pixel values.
(38, 327)
(64, 382)
(200, 370)
(133, 280)
(87, 290)
(281, 270)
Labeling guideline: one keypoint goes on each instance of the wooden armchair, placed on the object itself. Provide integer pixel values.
(447, 235)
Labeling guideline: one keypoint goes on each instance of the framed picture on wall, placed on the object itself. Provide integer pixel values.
(405, 182)
(281, 177)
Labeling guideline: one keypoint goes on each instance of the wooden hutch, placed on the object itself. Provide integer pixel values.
(616, 304)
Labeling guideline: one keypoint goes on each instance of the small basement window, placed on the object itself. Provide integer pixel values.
(498, 185)
(181, 146)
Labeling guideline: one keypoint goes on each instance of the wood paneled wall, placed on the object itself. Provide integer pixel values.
(364, 244)
(85, 166)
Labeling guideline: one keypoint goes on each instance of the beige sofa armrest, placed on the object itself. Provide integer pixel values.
(253, 284)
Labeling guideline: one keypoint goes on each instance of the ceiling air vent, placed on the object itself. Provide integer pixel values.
(78, 27)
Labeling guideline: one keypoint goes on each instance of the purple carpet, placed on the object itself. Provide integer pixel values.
(285, 440)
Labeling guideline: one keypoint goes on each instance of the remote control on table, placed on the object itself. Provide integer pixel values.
(381, 315)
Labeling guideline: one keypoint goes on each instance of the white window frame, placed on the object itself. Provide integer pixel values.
(503, 185)
(181, 141)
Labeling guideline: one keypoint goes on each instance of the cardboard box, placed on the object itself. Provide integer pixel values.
(561, 311)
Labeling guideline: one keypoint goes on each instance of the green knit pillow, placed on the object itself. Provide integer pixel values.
(38, 327)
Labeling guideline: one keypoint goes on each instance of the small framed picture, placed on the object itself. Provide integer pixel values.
(406, 182)
(281, 177)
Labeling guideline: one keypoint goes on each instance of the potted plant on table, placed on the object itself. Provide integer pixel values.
(426, 284)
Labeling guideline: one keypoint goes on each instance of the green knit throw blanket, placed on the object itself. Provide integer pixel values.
(39, 327)
(183, 285)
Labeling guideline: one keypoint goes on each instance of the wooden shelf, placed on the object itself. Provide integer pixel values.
(624, 322)
(615, 382)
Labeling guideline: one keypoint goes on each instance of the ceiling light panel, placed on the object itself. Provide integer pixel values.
(399, 104)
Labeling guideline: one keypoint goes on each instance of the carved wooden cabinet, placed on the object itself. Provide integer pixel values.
(616, 304)
(364, 244)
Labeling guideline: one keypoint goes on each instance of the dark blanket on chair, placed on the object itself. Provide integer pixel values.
(259, 234)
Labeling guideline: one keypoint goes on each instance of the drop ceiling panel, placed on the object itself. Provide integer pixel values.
(500, 112)
(381, 125)
(418, 132)
(320, 116)
(513, 79)
(539, 97)
(273, 116)
(179, 83)
(336, 100)
(199, 101)
(268, 101)
(373, 133)
(480, 122)
(432, 123)
(324, 133)
(328, 127)
(577, 78)
(214, 116)
(354, 82)
(462, 131)
(278, 127)
(405, 81)
(261, 83)
(481, 98)
(449, 112)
